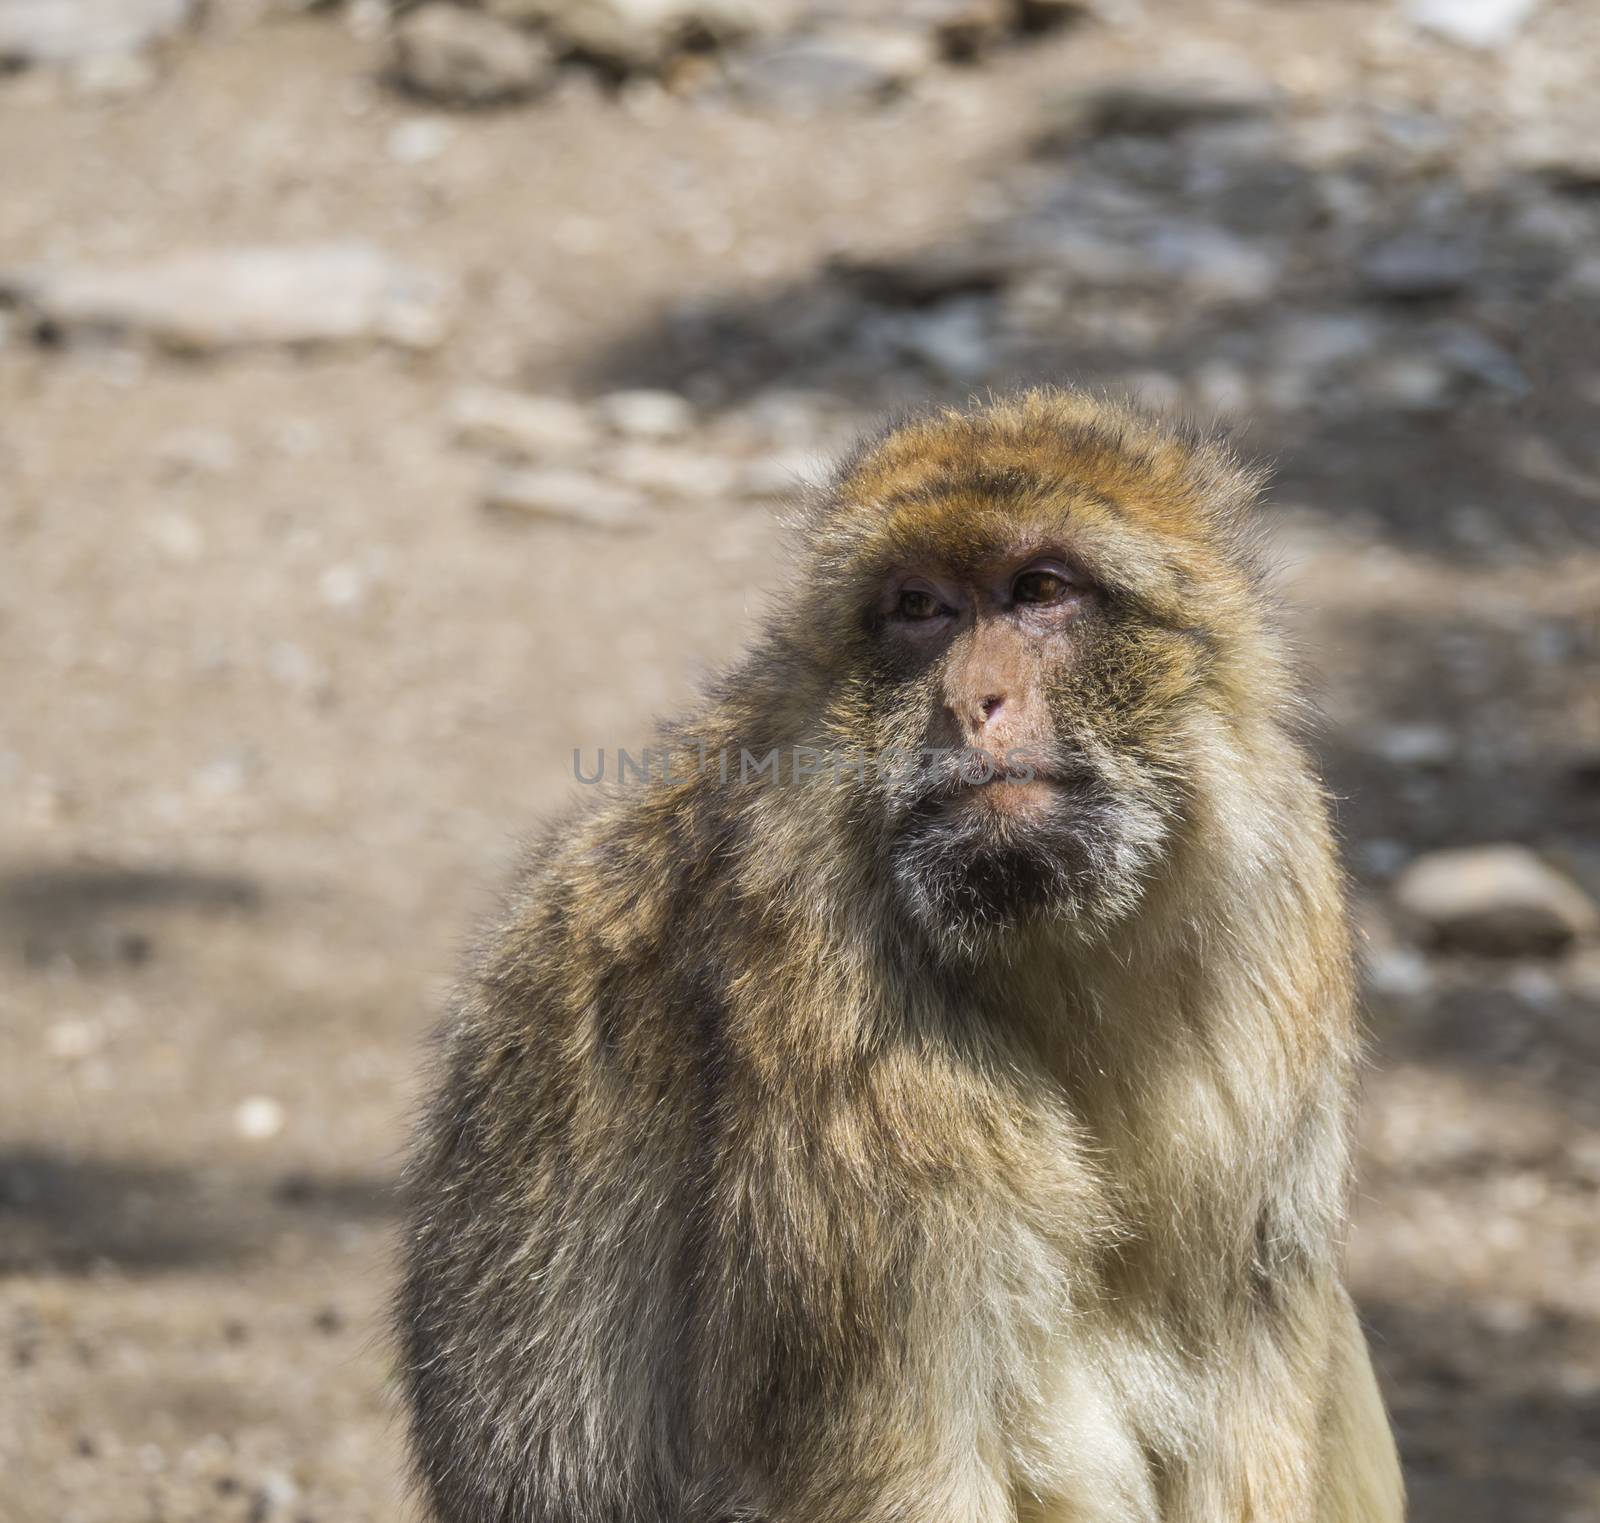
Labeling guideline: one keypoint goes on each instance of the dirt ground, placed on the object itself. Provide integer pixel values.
(279, 695)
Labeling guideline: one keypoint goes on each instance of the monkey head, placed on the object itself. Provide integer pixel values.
(1041, 619)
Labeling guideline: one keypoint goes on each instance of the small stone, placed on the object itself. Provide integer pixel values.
(565, 495)
(953, 339)
(832, 69)
(343, 586)
(72, 1041)
(1496, 901)
(232, 297)
(1418, 268)
(1212, 261)
(1313, 342)
(198, 452)
(292, 666)
(276, 1492)
(1533, 985)
(112, 76)
(1150, 108)
(1415, 745)
(259, 1118)
(789, 418)
(1399, 973)
(691, 474)
(1410, 383)
(963, 30)
(646, 414)
(224, 776)
(918, 279)
(178, 537)
(72, 31)
(519, 426)
(1035, 16)
(1473, 354)
(636, 36)
(1481, 24)
(464, 58)
(420, 140)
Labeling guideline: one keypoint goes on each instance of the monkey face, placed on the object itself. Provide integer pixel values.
(1013, 805)
(1044, 626)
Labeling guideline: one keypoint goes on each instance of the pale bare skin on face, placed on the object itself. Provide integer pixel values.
(993, 632)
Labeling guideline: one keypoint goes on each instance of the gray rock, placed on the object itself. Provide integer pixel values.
(1047, 15)
(1410, 383)
(638, 35)
(1150, 108)
(1416, 745)
(519, 426)
(112, 76)
(73, 31)
(1209, 260)
(791, 419)
(1415, 267)
(1474, 354)
(567, 496)
(692, 474)
(198, 452)
(1473, 23)
(1497, 901)
(1399, 973)
(953, 339)
(962, 30)
(644, 414)
(1583, 279)
(420, 140)
(1212, 261)
(1570, 166)
(926, 276)
(836, 68)
(464, 58)
(226, 298)
(1316, 342)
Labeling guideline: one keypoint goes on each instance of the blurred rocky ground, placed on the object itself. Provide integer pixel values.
(395, 398)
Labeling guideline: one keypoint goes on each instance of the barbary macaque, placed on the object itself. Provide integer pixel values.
(962, 1138)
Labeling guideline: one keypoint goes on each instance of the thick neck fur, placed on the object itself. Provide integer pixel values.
(1197, 1042)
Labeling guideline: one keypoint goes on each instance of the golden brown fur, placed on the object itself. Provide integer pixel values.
(808, 1152)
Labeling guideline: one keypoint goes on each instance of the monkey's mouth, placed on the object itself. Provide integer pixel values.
(1006, 792)
(977, 853)
(983, 780)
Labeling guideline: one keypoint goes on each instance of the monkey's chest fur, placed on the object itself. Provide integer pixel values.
(717, 1288)
(1043, 1289)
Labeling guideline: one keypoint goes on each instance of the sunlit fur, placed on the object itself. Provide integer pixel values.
(779, 1170)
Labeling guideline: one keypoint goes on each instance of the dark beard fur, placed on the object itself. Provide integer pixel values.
(968, 877)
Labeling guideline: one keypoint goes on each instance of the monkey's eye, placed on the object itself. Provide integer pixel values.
(1040, 587)
(915, 603)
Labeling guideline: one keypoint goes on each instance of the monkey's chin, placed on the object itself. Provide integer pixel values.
(974, 867)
